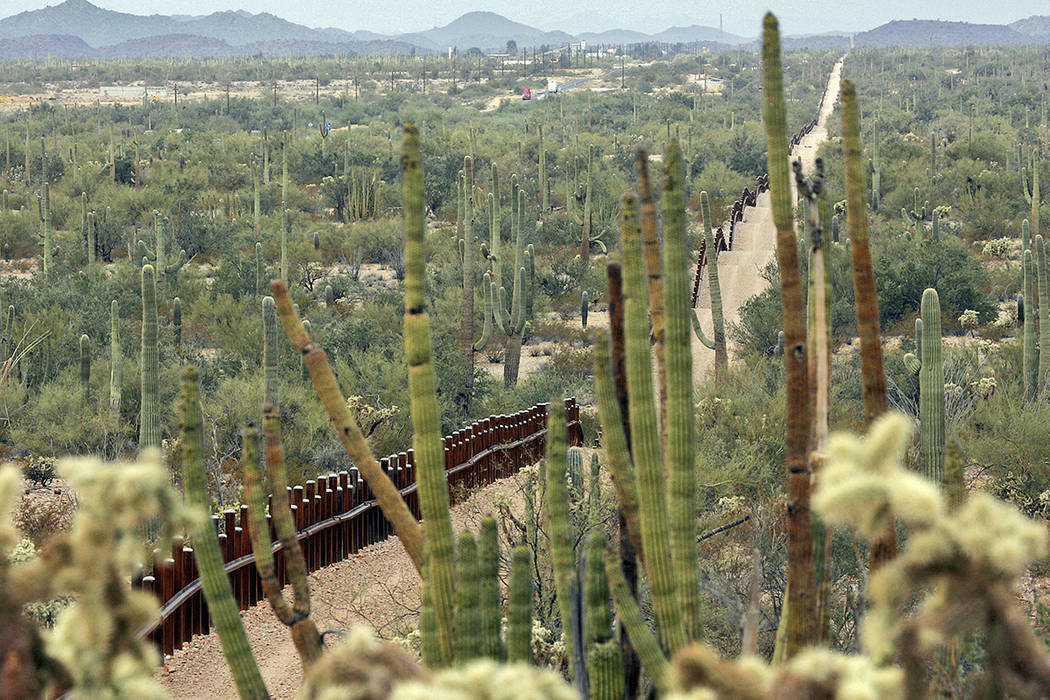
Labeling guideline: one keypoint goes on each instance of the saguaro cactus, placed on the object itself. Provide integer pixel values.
(466, 307)
(604, 659)
(176, 322)
(1044, 315)
(467, 615)
(426, 439)
(269, 315)
(45, 219)
(216, 586)
(149, 418)
(1030, 187)
(718, 342)
(260, 269)
(931, 386)
(158, 255)
(1030, 361)
(85, 366)
(116, 360)
(519, 607)
(491, 645)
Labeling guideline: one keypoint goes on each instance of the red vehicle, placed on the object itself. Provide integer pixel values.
(526, 93)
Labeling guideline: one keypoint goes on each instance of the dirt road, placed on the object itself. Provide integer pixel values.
(754, 244)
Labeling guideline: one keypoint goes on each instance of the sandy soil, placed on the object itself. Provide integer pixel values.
(377, 586)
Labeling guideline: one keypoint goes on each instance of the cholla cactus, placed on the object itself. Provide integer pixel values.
(94, 648)
(487, 679)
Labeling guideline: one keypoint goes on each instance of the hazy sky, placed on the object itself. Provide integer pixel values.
(739, 16)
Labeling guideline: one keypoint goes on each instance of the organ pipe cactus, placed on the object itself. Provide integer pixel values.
(718, 342)
(218, 593)
(1044, 315)
(873, 374)
(800, 616)
(158, 254)
(149, 418)
(519, 607)
(269, 315)
(931, 387)
(116, 360)
(426, 438)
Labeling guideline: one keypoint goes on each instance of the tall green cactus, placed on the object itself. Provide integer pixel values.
(149, 415)
(1030, 188)
(286, 230)
(466, 306)
(45, 218)
(467, 643)
(116, 360)
(494, 226)
(519, 607)
(218, 592)
(158, 254)
(270, 338)
(585, 305)
(491, 644)
(422, 380)
(1044, 315)
(604, 658)
(85, 366)
(1030, 361)
(176, 321)
(718, 342)
(260, 269)
(931, 387)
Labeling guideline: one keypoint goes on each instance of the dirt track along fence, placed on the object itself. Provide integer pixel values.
(336, 515)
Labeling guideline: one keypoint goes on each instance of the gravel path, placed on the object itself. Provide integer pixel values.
(377, 586)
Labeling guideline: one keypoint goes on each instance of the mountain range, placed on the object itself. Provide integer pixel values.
(77, 28)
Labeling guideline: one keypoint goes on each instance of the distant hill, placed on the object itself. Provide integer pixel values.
(1037, 26)
(919, 32)
(484, 30)
(697, 33)
(43, 46)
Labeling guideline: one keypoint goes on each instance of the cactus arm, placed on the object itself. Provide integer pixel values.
(499, 312)
(176, 264)
(486, 328)
(216, 586)
(517, 303)
(393, 506)
(679, 422)
(519, 608)
(645, 440)
(800, 612)
(642, 639)
(488, 590)
(699, 332)
(145, 250)
(426, 439)
(912, 364)
(617, 455)
(557, 510)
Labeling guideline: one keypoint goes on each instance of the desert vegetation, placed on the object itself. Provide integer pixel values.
(840, 490)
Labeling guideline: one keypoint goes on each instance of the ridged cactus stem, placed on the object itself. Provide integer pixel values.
(85, 366)
(286, 230)
(468, 616)
(46, 262)
(643, 641)
(653, 272)
(801, 593)
(718, 323)
(545, 204)
(679, 423)
(91, 240)
(116, 369)
(604, 659)
(269, 315)
(256, 208)
(422, 380)
(466, 307)
(488, 590)
(149, 416)
(176, 320)
(561, 537)
(260, 269)
(645, 441)
(1030, 362)
(931, 386)
(346, 429)
(305, 637)
(1044, 315)
(222, 607)
(519, 608)
(494, 232)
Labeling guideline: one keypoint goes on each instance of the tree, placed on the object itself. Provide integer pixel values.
(512, 47)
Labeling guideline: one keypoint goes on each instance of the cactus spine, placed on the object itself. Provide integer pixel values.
(426, 439)
(931, 387)
(149, 419)
(116, 369)
(519, 607)
(216, 586)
